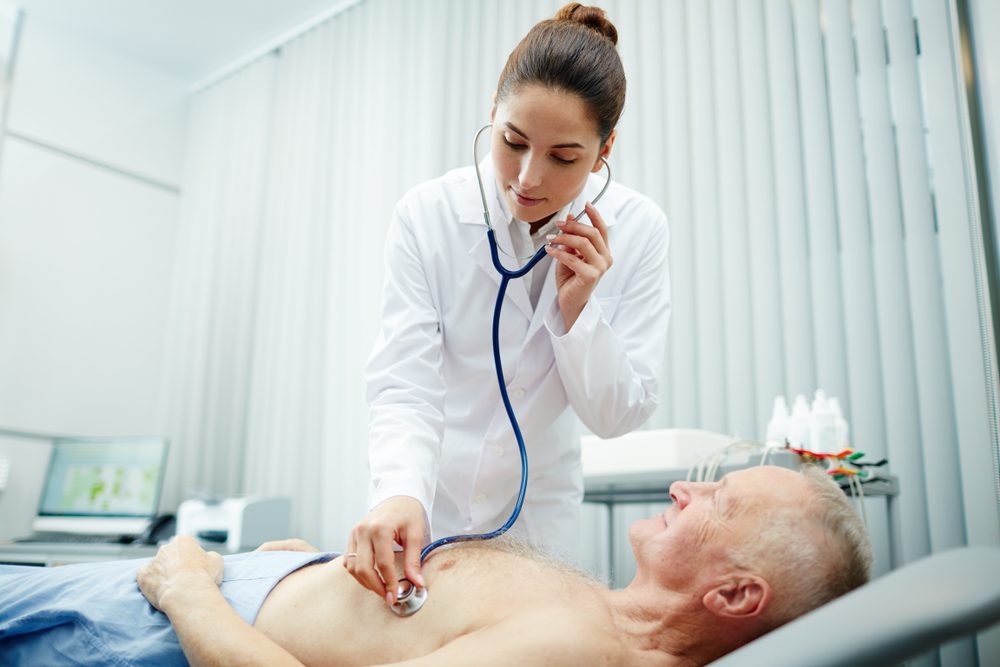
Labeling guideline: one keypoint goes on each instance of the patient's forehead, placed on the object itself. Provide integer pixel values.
(771, 484)
(766, 473)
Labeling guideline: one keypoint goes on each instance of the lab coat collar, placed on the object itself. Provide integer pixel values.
(471, 212)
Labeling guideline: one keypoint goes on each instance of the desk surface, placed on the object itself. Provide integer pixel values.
(65, 553)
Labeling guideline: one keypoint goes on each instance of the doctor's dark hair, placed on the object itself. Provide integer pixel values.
(574, 53)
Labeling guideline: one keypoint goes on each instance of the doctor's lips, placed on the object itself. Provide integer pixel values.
(525, 201)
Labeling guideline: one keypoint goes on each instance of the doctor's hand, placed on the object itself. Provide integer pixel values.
(370, 556)
(178, 569)
(582, 259)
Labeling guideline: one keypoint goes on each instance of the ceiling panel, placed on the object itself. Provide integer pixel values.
(190, 39)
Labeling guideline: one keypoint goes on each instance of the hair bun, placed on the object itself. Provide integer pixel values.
(592, 17)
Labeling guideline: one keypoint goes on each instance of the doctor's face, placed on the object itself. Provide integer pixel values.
(544, 145)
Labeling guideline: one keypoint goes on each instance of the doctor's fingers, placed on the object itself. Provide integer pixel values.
(365, 570)
(385, 563)
(351, 553)
(593, 236)
(411, 559)
(584, 248)
(597, 226)
(583, 270)
(598, 220)
(359, 559)
(351, 556)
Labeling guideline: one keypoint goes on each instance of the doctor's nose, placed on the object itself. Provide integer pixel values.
(530, 175)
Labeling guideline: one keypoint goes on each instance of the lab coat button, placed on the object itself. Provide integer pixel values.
(518, 393)
(480, 498)
(498, 450)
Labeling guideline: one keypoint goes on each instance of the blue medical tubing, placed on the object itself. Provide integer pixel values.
(506, 275)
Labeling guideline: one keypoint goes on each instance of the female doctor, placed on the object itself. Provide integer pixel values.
(580, 330)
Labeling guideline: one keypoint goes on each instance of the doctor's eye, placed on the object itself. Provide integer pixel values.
(516, 147)
(563, 160)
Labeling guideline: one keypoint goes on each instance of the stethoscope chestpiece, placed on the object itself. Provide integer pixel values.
(409, 598)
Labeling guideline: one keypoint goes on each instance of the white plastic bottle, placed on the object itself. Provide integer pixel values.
(798, 424)
(843, 431)
(822, 426)
(777, 427)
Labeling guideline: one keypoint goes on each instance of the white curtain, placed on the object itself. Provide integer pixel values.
(293, 166)
(811, 162)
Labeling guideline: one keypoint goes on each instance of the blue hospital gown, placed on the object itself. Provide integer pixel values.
(95, 614)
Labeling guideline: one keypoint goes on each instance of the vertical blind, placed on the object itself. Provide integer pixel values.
(810, 156)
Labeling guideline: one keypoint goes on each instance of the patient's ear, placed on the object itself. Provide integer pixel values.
(740, 596)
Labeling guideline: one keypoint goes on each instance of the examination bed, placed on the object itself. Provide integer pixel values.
(898, 616)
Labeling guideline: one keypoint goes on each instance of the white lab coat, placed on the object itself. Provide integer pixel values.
(438, 429)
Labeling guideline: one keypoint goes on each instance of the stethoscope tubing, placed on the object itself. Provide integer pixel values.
(498, 363)
(506, 275)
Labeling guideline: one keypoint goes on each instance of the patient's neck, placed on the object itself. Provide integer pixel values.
(671, 628)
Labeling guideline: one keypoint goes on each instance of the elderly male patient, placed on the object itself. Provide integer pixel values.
(724, 563)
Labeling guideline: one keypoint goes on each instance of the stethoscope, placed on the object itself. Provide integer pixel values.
(409, 597)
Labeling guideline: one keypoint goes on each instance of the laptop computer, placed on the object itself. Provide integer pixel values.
(100, 488)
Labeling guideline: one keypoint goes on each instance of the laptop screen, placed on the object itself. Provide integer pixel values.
(104, 478)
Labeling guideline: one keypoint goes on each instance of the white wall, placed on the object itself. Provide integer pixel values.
(88, 204)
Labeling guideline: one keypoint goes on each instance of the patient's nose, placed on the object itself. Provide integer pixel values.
(680, 493)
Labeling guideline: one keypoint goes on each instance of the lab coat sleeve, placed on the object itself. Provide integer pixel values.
(405, 389)
(611, 359)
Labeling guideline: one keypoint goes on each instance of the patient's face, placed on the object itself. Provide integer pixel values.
(692, 537)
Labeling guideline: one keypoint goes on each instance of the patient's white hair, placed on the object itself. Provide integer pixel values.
(813, 556)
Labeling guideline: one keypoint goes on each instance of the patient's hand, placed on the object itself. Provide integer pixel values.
(179, 565)
(293, 544)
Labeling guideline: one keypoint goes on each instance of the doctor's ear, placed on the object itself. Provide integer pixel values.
(741, 596)
(605, 151)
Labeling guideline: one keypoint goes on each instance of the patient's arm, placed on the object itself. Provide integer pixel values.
(211, 633)
(182, 582)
